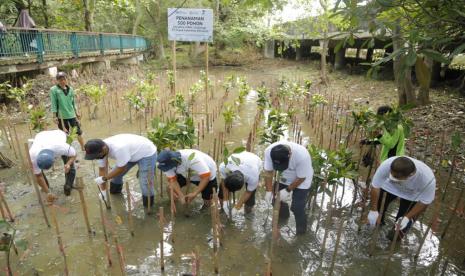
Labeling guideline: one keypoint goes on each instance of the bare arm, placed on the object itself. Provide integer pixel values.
(202, 185)
(269, 181)
(116, 171)
(417, 209)
(41, 181)
(245, 196)
(296, 183)
(374, 198)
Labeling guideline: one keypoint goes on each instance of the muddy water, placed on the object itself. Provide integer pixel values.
(246, 238)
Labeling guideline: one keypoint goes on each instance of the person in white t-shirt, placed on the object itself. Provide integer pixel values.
(241, 168)
(199, 167)
(46, 146)
(408, 179)
(127, 150)
(294, 166)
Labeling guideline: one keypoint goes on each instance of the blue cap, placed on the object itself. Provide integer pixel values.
(45, 159)
(168, 159)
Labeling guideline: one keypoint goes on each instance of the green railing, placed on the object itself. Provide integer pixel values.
(39, 45)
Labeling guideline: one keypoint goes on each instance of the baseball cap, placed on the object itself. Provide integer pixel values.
(280, 155)
(61, 75)
(94, 148)
(45, 159)
(168, 159)
(234, 181)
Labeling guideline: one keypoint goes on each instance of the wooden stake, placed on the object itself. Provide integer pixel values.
(459, 198)
(173, 212)
(128, 196)
(162, 223)
(5, 204)
(336, 247)
(105, 235)
(173, 47)
(374, 237)
(119, 251)
(328, 221)
(59, 239)
(34, 183)
(83, 203)
(206, 81)
(213, 209)
(107, 185)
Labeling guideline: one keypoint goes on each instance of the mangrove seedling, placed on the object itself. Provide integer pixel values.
(37, 117)
(170, 76)
(229, 115)
(179, 103)
(244, 90)
(18, 94)
(94, 95)
(275, 127)
(263, 97)
(174, 134)
(194, 90)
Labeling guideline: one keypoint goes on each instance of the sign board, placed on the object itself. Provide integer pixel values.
(190, 24)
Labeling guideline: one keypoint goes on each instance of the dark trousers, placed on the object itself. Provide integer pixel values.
(404, 208)
(299, 197)
(249, 203)
(71, 175)
(206, 193)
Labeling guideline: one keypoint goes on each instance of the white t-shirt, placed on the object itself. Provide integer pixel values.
(54, 140)
(249, 165)
(197, 162)
(126, 148)
(300, 165)
(419, 187)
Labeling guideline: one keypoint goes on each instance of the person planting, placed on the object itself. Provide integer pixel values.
(64, 107)
(240, 168)
(199, 167)
(408, 179)
(392, 139)
(127, 150)
(46, 146)
(294, 164)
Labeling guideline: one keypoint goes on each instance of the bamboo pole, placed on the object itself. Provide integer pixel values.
(162, 222)
(119, 251)
(83, 203)
(5, 204)
(336, 247)
(449, 221)
(173, 212)
(329, 216)
(34, 183)
(206, 82)
(105, 234)
(107, 185)
(128, 196)
(59, 239)
(173, 48)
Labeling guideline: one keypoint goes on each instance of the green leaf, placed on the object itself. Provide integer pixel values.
(191, 156)
(456, 140)
(22, 244)
(391, 56)
(411, 58)
(339, 46)
(236, 160)
(458, 50)
(434, 55)
(239, 149)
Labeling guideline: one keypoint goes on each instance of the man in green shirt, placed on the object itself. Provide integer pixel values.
(64, 107)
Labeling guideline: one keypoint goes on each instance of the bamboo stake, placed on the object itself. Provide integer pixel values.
(206, 82)
(328, 221)
(83, 203)
(107, 185)
(162, 222)
(449, 221)
(161, 185)
(336, 247)
(5, 204)
(105, 235)
(119, 251)
(59, 239)
(34, 183)
(173, 212)
(391, 249)
(213, 208)
(128, 196)
(2, 211)
(173, 47)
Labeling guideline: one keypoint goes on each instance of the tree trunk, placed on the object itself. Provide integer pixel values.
(138, 18)
(405, 91)
(157, 20)
(324, 46)
(423, 71)
(88, 14)
(45, 14)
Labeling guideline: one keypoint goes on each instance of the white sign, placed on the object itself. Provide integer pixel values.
(190, 25)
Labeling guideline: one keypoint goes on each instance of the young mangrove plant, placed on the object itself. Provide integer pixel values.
(18, 94)
(229, 84)
(37, 117)
(179, 103)
(94, 95)
(263, 97)
(194, 91)
(229, 115)
(244, 90)
(275, 127)
(174, 134)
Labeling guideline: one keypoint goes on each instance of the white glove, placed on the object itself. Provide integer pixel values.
(225, 206)
(284, 195)
(373, 217)
(403, 222)
(99, 180)
(269, 197)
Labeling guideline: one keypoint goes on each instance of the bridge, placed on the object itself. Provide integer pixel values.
(24, 49)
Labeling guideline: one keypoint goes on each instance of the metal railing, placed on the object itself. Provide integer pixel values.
(39, 45)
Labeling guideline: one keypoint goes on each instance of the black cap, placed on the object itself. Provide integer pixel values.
(94, 149)
(168, 159)
(280, 155)
(234, 181)
(61, 75)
